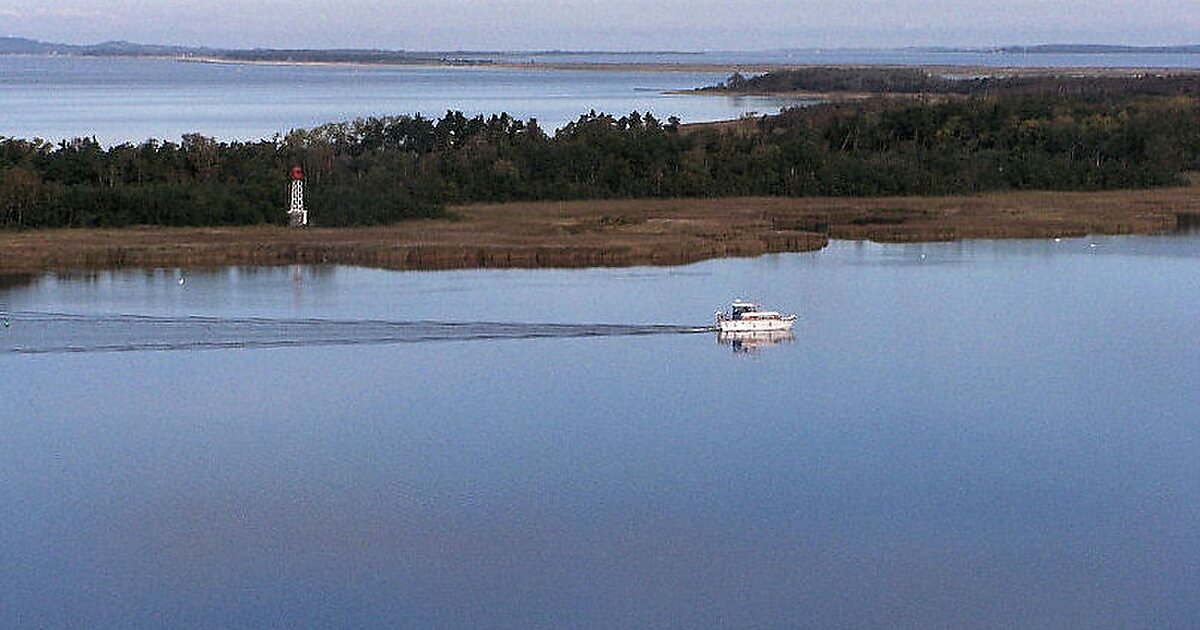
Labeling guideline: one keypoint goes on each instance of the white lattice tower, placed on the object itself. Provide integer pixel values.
(297, 215)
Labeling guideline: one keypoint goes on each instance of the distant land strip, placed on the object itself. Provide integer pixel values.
(299, 56)
(610, 233)
(624, 60)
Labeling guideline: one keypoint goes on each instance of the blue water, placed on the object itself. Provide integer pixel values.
(975, 434)
(130, 100)
(876, 57)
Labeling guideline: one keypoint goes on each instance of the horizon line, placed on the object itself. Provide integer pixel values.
(1097, 48)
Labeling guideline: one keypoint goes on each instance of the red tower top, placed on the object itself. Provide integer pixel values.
(297, 172)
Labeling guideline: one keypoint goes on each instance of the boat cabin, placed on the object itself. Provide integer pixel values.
(740, 309)
(749, 311)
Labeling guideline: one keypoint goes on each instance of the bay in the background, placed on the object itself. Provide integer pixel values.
(877, 57)
(131, 99)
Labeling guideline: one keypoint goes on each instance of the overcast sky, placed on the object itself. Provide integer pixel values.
(604, 24)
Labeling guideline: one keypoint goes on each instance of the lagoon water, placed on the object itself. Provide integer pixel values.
(877, 57)
(129, 100)
(976, 434)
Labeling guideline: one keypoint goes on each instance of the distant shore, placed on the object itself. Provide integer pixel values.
(609, 233)
(482, 64)
(755, 68)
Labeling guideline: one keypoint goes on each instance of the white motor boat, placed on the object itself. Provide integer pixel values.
(747, 317)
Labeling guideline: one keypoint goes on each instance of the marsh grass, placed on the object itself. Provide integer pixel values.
(610, 233)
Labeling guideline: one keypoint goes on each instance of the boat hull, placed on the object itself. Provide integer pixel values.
(751, 325)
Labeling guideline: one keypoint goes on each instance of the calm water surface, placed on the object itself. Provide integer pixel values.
(879, 57)
(130, 100)
(980, 434)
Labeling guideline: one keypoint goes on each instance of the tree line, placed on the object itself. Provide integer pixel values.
(382, 170)
(833, 79)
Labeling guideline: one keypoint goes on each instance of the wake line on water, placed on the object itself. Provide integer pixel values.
(57, 333)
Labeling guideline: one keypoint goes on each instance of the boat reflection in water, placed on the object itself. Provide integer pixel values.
(752, 342)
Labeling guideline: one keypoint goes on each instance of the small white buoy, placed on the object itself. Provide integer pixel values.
(181, 282)
(1057, 239)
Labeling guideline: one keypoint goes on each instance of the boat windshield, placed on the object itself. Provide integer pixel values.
(741, 308)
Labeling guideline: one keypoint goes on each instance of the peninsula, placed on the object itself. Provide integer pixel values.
(610, 233)
(1050, 155)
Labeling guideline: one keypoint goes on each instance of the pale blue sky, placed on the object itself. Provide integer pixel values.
(604, 24)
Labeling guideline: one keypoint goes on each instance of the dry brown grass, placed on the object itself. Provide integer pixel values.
(608, 233)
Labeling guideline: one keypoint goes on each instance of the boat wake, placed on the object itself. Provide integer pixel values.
(53, 333)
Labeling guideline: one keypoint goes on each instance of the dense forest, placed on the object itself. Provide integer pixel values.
(383, 170)
(921, 81)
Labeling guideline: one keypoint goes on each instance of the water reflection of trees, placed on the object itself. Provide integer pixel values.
(1186, 223)
(14, 281)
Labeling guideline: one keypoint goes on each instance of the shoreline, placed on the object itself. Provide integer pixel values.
(608, 233)
(754, 68)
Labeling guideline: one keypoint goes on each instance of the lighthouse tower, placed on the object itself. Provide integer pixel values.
(297, 215)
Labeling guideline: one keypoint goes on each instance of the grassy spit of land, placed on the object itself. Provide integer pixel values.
(609, 233)
(483, 61)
